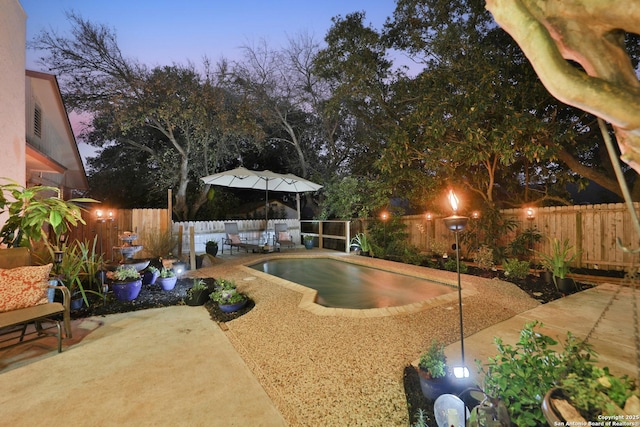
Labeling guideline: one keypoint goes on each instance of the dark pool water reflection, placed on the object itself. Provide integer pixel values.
(345, 285)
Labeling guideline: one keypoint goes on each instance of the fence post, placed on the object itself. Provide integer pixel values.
(192, 247)
(347, 243)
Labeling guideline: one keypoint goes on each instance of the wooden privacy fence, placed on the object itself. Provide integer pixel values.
(592, 229)
(107, 228)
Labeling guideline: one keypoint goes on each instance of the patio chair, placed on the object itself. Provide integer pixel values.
(233, 238)
(282, 236)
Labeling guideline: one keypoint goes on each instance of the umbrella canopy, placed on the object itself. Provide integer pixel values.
(262, 180)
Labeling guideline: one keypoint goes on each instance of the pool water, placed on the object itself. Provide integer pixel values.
(345, 285)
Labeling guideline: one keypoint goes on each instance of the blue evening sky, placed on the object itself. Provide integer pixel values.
(162, 32)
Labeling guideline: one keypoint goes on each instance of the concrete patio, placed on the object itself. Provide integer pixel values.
(174, 366)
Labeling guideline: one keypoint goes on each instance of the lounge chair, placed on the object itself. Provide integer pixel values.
(282, 236)
(233, 238)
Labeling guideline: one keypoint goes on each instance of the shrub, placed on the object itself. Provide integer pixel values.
(451, 265)
(516, 269)
(484, 258)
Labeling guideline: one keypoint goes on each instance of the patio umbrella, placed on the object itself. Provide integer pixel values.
(262, 180)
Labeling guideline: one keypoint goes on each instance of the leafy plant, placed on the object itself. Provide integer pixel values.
(521, 375)
(361, 241)
(523, 242)
(516, 269)
(198, 285)
(484, 258)
(227, 293)
(439, 248)
(30, 209)
(308, 237)
(166, 272)
(125, 273)
(434, 360)
(451, 264)
(558, 262)
(79, 267)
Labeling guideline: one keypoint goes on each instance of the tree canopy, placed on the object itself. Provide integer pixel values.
(473, 112)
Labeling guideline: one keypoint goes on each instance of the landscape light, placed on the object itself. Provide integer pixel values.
(457, 223)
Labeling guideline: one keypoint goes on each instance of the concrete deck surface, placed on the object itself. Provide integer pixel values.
(175, 366)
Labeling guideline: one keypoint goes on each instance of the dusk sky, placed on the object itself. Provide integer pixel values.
(162, 32)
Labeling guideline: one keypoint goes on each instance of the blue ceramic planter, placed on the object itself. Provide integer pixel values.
(230, 308)
(126, 291)
(167, 283)
(150, 277)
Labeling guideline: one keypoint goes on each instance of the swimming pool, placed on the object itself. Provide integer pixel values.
(346, 285)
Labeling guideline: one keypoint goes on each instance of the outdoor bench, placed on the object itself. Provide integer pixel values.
(23, 300)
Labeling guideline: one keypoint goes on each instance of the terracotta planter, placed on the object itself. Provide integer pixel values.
(127, 291)
(167, 283)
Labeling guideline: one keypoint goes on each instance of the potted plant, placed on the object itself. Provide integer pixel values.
(167, 279)
(558, 263)
(361, 241)
(432, 370)
(308, 241)
(212, 247)
(197, 294)
(150, 275)
(126, 283)
(227, 296)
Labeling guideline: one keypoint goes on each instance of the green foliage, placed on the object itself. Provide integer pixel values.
(484, 258)
(352, 197)
(522, 244)
(166, 272)
(79, 267)
(125, 273)
(198, 285)
(361, 241)
(521, 375)
(434, 360)
(439, 248)
(30, 209)
(559, 259)
(451, 264)
(421, 419)
(227, 293)
(484, 231)
(516, 269)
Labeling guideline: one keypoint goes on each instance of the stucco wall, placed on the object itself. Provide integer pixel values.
(12, 87)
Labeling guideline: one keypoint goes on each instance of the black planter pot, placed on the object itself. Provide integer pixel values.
(212, 250)
(197, 298)
(565, 285)
(547, 276)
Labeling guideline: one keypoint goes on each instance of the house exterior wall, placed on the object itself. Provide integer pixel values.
(55, 139)
(12, 87)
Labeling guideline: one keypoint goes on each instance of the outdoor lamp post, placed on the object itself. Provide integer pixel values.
(457, 223)
(384, 217)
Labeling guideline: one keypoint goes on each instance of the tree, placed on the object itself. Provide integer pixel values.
(174, 114)
(482, 117)
(592, 33)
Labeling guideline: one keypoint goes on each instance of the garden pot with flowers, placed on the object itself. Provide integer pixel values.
(197, 294)
(126, 283)
(227, 296)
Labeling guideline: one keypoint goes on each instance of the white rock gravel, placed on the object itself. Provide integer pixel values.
(345, 371)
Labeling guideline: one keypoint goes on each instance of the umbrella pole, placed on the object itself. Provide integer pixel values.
(298, 204)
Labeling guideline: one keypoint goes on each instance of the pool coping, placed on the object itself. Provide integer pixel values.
(308, 300)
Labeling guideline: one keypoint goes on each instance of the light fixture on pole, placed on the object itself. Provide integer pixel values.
(531, 215)
(384, 215)
(457, 223)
